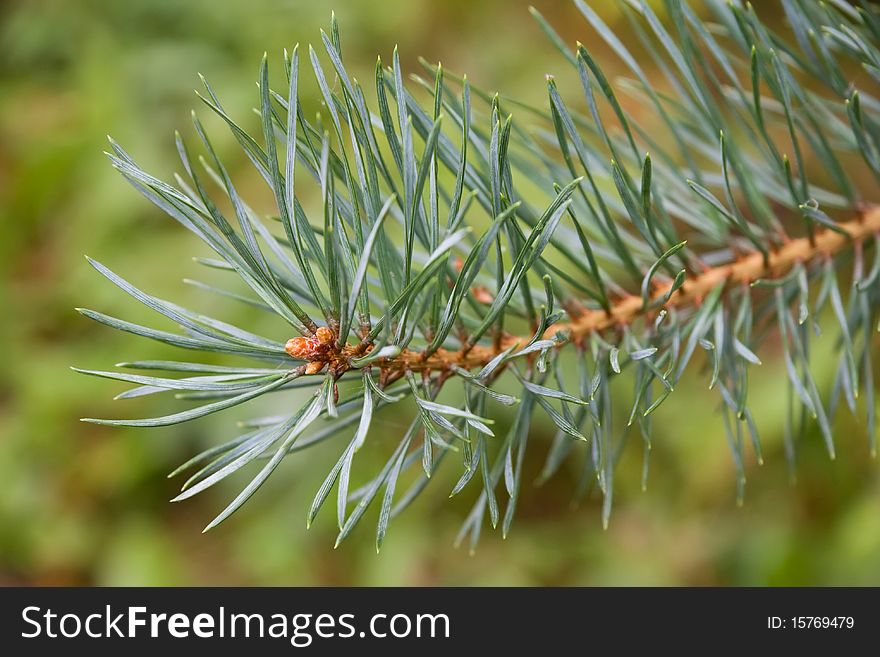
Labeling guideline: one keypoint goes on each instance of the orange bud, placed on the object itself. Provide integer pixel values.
(311, 349)
(314, 367)
(300, 348)
(324, 335)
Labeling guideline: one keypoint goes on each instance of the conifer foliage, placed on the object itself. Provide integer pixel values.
(432, 278)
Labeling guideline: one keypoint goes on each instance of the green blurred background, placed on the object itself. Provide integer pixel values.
(81, 504)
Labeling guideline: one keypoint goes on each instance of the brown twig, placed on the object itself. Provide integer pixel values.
(744, 270)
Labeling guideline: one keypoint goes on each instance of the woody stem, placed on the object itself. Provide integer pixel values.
(744, 270)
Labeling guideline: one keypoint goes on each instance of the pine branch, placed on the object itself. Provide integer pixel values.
(564, 234)
(747, 269)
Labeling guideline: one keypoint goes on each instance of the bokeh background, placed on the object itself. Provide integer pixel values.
(81, 504)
